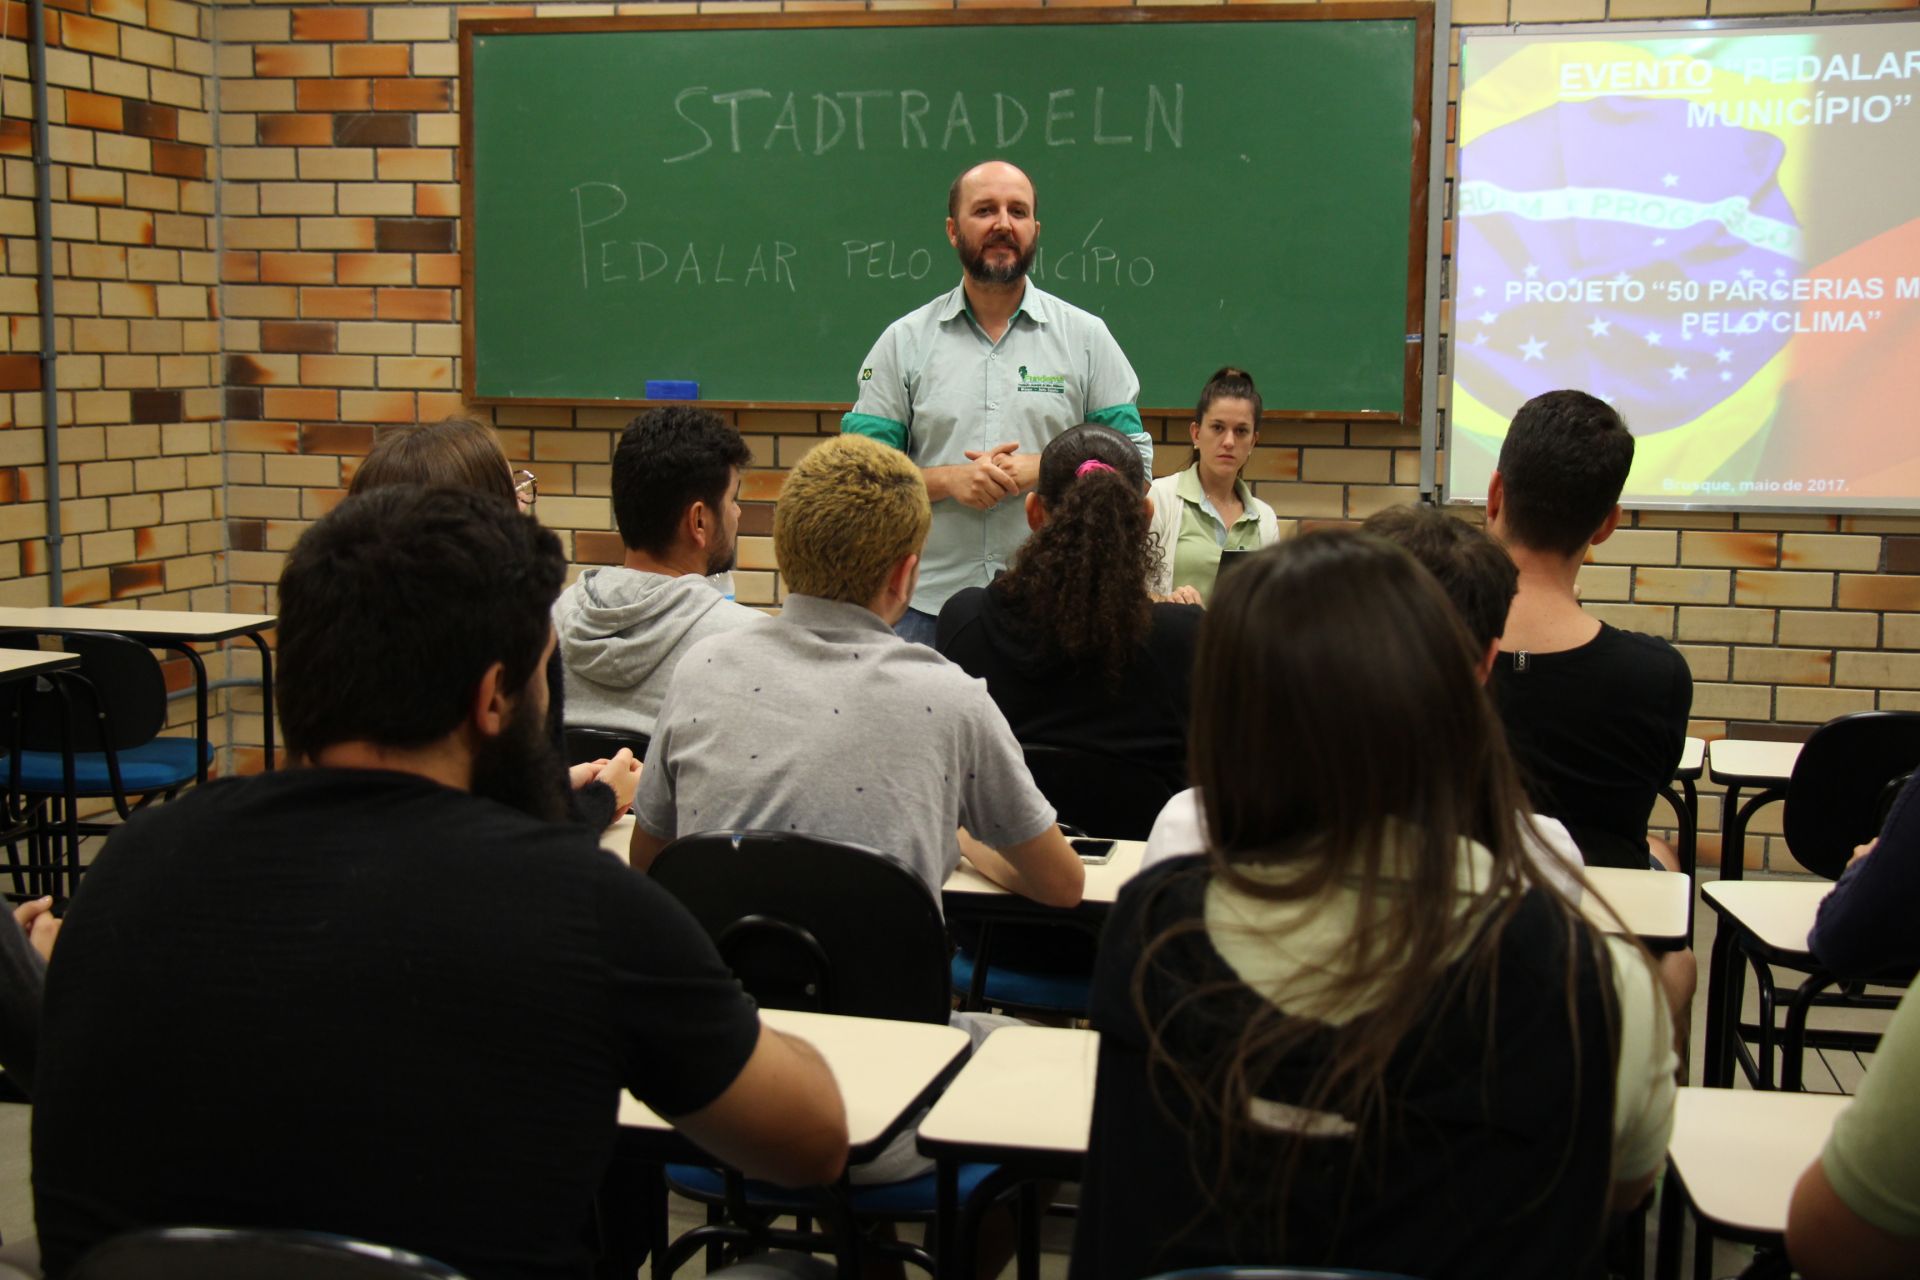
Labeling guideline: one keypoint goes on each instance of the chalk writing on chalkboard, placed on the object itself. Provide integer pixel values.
(737, 121)
(748, 201)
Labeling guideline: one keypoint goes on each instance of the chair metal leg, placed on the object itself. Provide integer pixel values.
(1732, 833)
(1793, 1036)
(1673, 1223)
(266, 691)
(1028, 1254)
(1722, 993)
(1763, 1039)
(946, 1222)
(715, 1216)
(982, 957)
(1702, 1248)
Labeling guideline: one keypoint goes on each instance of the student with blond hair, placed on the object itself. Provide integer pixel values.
(826, 723)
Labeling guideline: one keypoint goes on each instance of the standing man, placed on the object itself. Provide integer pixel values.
(974, 384)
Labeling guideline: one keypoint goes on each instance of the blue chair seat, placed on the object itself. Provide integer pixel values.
(159, 765)
(1064, 992)
(912, 1198)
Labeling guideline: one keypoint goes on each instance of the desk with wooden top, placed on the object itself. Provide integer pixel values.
(1734, 1158)
(1024, 1102)
(1652, 905)
(1737, 763)
(972, 896)
(171, 629)
(887, 1071)
(1767, 922)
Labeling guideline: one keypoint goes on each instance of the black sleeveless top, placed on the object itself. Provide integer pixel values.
(1496, 1161)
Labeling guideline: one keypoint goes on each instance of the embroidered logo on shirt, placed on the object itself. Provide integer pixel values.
(866, 375)
(1054, 383)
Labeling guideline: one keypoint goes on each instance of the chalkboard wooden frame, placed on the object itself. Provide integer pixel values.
(1420, 12)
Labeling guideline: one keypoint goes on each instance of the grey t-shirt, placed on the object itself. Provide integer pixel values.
(826, 723)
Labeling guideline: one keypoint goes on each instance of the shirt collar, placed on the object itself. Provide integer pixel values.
(1187, 488)
(1034, 304)
(833, 619)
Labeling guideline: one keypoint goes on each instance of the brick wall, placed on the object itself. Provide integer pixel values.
(130, 104)
(338, 277)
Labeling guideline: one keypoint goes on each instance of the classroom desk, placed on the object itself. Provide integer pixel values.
(887, 1071)
(1733, 1161)
(18, 664)
(26, 664)
(1737, 763)
(617, 839)
(972, 896)
(1654, 906)
(1765, 923)
(1024, 1102)
(174, 630)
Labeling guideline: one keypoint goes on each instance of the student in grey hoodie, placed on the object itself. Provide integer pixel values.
(622, 628)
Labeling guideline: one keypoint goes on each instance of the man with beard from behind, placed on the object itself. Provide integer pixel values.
(973, 385)
(676, 500)
(378, 994)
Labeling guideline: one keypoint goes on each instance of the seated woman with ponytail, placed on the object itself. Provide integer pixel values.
(1209, 509)
(1073, 650)
(1362, 1030)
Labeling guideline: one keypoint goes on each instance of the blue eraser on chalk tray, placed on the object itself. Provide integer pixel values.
(672, 389)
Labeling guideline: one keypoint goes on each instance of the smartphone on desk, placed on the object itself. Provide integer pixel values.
(1093, 852)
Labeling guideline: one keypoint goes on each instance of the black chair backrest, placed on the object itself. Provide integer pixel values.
(209, 1253)
(811, 924)
(122, 702)
(1836, 797)
(587, 742)
(1102, 795)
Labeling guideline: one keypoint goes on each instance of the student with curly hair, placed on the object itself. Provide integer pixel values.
(1073, 649)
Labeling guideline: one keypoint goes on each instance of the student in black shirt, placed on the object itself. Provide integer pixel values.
(1362, 1030)
(1073, 649)
(1596, 716)
(384, 994)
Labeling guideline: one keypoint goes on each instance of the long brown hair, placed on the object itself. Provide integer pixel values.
(1079, 584)
(457, 453)
(1393, 760)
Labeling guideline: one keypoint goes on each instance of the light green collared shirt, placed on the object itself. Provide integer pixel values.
(1204, 535)
(936, 387)
(1871, 1158)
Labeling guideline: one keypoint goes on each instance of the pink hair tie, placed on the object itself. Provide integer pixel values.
(1091, 464)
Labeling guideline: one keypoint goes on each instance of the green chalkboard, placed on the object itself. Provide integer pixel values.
(746, 202)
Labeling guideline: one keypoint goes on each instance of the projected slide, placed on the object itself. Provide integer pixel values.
(1716, 231)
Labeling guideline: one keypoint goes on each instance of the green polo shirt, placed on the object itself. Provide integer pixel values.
(936, 387)
(1871, 1158)
(1204, 535)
